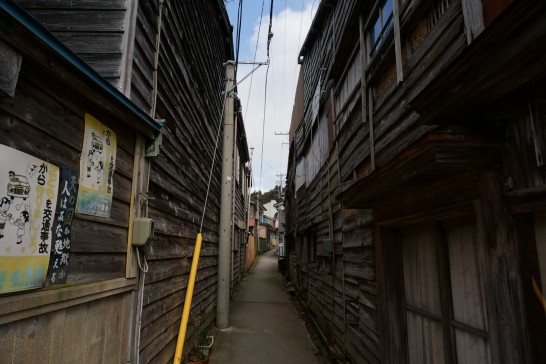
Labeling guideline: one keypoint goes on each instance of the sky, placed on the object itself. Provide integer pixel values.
(290, 24)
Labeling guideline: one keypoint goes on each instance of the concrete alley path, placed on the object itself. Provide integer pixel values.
(264, 324)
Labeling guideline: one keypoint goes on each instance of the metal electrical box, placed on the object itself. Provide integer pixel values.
(143, 231)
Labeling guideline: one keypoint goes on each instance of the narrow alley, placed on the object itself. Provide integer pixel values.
(297, 181)
(265, 325)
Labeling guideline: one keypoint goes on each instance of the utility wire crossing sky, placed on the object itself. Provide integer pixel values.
(290, 23)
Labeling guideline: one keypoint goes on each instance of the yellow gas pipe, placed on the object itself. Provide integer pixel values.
(187, 303)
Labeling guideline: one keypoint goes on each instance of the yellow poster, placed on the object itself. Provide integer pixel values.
(28, 199)
(97, 165)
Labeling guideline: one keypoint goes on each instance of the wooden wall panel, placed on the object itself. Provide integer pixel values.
(94, 30)
(346, 302)
(190, 79)
(53, 114)
(70, 335)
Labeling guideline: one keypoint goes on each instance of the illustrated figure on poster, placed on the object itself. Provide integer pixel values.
(21, 223)
(5, 204)
(18, 186)
(95, 158)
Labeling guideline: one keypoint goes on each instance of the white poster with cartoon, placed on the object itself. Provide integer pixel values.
(28, 199)
(97, 165)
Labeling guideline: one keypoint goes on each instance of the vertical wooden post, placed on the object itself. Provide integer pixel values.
(502, 282)
(138, 188)
(365, 95)
(139, 185)
(128, 48)
(397, 41)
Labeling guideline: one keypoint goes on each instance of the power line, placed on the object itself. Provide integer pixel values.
(239, 19)
(283, 59)
(270, 33)
(254, 60)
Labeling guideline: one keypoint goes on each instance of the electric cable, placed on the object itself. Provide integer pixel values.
(269, 165)
(141, 279)
(213, 157)
(269, 36)
(283, 60)
(238, 32)
(254, 60)
(142, 266)
(270, 33)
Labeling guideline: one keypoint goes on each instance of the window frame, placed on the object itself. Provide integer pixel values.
(391, 237)
(386, 27)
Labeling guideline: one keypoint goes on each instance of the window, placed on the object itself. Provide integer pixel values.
(299, 180)
(382, 25)
(317, 154)
(444, 302)
(238, 168)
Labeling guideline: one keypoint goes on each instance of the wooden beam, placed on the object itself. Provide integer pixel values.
(128, 48)
(397, 42)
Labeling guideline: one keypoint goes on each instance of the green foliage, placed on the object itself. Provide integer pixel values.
(266, 197)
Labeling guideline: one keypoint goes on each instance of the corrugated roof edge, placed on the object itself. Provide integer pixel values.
(29, 22)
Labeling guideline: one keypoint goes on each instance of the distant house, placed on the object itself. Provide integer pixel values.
(153, 73)
(416, 187)
(271, 209)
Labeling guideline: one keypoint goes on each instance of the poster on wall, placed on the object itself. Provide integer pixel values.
(62, 230)
(28, 198)
(97, 164)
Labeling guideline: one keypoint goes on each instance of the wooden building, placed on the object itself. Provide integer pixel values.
(138, 67)
(415, 195)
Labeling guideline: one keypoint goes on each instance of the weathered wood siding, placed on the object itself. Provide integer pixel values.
(193, 49)
(240, 206)
(341, 289)
(45, 118)
(67, 330)
(94, 30)
(42, 110)
(195, 42)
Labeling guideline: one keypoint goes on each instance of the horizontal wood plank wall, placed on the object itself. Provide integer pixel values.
(71, 335)
(238, 246)
(342, 291)
(45, 118)
(46, 121)
(94, 30)
(194, 47)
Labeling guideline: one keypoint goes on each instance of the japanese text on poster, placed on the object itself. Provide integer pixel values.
(63, 226)
(97, 164)
(28, 198)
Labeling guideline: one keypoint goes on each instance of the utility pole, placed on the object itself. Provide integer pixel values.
(281, 175)
(248, 189)
(258, 220)
(224, 256)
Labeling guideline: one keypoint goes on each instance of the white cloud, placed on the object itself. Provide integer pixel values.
(290, 28)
